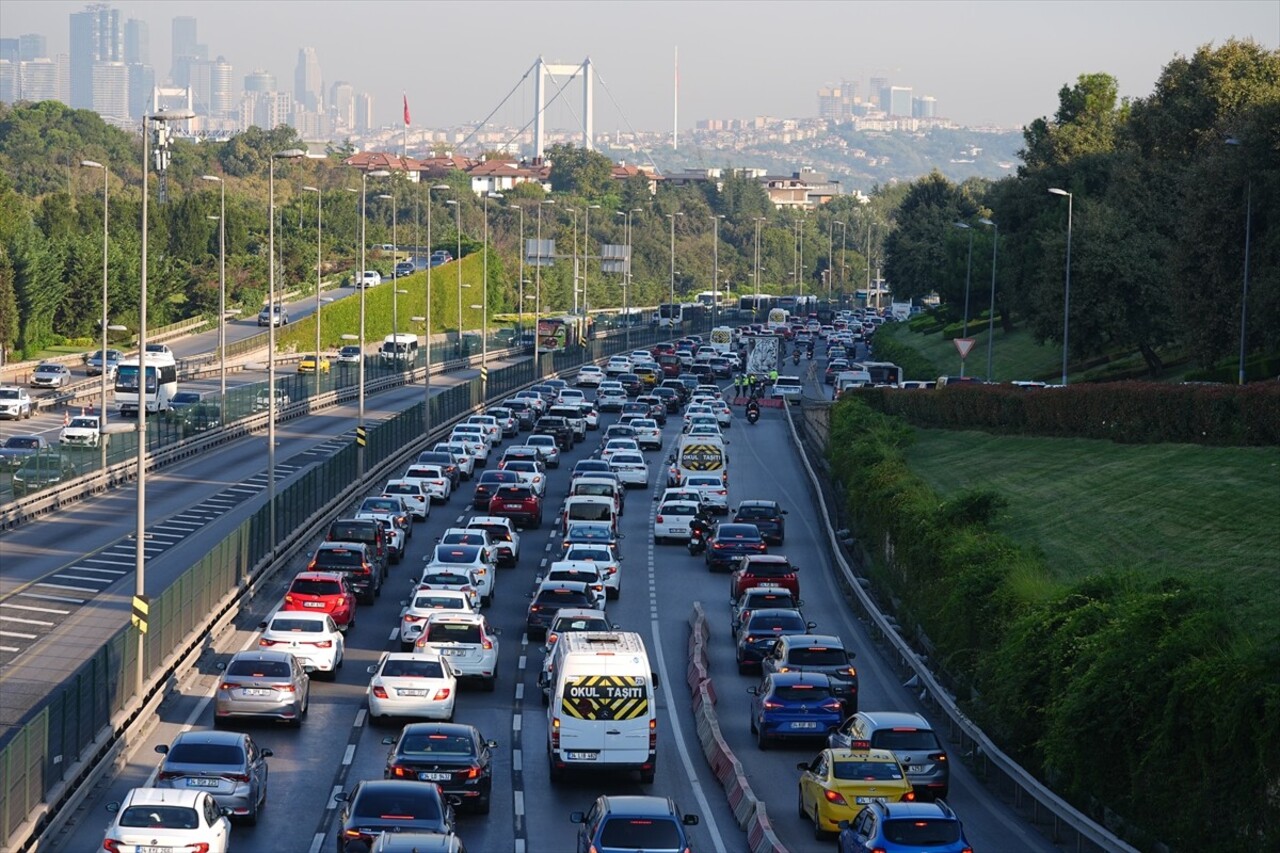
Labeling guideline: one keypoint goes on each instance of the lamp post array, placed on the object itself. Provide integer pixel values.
(364, 210)
(991, 316)
(457, 210)
(715, 267)
(427, 317)
(1066, 298)
(537, 299)
(484, 302)
(395, 277)
(106, 236)
(672, 218)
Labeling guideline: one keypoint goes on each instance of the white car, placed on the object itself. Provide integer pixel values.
(591, 416)
(672, 520)
(571, 397)
(696, 409)
(412, 685)
(491, 427)
(531, 472)
(461, 456)
(312, 638)
(648, 433)
(546, 447)
(414, 494)
(684, 493)
(474, 438)
(788, 388)
(503, 535)
(50, 375)
(614, 446)
(617, 366)
(424, 602)
(462, 580)
(433, 478)
(167, 819)
(477, 559)
(466, 641)
(585, 572)
(714, 493)
(370, 278)
(589, 376)
(15, 403)
(80, 431)
(394, 535)
(630, 467)
(611, 399)
(603, 557)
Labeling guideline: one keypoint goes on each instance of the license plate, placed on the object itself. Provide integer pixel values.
(514, 506)
(313, 604)
(864, 801)
(804, 725)
(254, 691)
(155, 850)
(453, 652)
(411, 693)
(434, 777)
(916, 768)
(200, 782)
(582, 756)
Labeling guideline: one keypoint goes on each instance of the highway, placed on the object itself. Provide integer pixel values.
(337, 745)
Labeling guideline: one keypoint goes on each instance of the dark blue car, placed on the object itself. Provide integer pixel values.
(788, 705)
(728, 542)
(624, 824)
(903, 827)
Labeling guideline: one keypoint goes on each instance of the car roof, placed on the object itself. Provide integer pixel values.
(790, 679)
(261, 654)
(638, 805)
(317, 576)
(161, 796)
(759, 502)
(895, 719)
(823, 640)
(210, 736)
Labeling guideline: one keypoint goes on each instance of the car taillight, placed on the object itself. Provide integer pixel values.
(834, 797)
(112, 845)
(380, 691)
(653, 734)
(286, 688)
(415, 618)
(938, 756)
(401, 772)
(166, 775)
(555, 735)
(851, 671)
(832, 705)
(487, 644)
(533, 608)
(718, 546)
(908, 797)
(770, 705)
(442, 694)
(265, 643)
(236, 777)
(473, 773)
(288, 599)
(658, 519)
(324, 644)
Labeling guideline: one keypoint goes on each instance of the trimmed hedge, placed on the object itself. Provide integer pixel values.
(1127, 412)
(1130, 697)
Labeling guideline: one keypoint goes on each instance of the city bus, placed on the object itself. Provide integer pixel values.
(558, 333)
(161, 384)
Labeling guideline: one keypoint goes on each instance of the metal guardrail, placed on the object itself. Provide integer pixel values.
(1044, 804)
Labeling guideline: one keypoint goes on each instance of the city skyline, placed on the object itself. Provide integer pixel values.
(926, 46)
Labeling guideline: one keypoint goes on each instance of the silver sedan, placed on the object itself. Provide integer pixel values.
(263, 684)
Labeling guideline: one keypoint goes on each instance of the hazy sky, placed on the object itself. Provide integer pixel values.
(986, 63)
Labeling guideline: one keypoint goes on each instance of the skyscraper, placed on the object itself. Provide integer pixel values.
(308, 85)
(342, 102)
(137, 42)
(111, 90)
(95, 37)
(210, 83)
(142, 88)
(260, 81)
(9, 51)
(878, 92)
(184, 42)
(899, 101)
(364, 111)
(32, 46)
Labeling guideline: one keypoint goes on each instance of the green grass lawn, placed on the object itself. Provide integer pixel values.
(1157, 510)
(1015, 355)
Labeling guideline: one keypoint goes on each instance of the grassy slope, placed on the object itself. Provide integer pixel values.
(1157, 510)
(1015, 355)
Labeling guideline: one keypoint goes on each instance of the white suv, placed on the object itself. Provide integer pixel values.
(466, 640)
(15, 402)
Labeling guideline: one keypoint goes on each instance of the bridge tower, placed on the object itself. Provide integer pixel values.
(572, 71)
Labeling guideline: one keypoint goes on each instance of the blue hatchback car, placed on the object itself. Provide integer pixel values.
(793, 705)
(626, 824)
(731, 541)
(904, 828)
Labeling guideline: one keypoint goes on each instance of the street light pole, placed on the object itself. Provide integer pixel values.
(484, 302)
(520, 297)
(537, 299)
(106, 235)
(1244, 294)
(671, 316)
(715, 267)
(457, 210)
(758, 221)
(967, 276)
(222, 286)
(288, 154)
(991, 318)
(395, 277)
(426, 417)
(1066, 299)
(319, 205)
(364, 218)
(844, 243)
(574, 211)
(586, 263)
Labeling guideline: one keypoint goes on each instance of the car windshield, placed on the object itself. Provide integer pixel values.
(566, 624)
(866, 770)
(453, 632)
(439, 602)
(463, 538)
(802, 692)
(921, 832)
(416, 668)
(22, 443)
(457, 554)
(903, 739)
(339, 557)
(776, 622)
(402, 804)
(737, 531)
(769, 569)
(590, 531)
(817, 656)
(640, 833)
(591, 511)
(160, 817)
(307, 586)
(705, 482)
(303, 626)
(380, 505)
(259, 668)
(756, 512)
(206, 753)
(678, 509)
(556, 598)
(445, 579)
(589, 553)
(496, 532)
(437, 744)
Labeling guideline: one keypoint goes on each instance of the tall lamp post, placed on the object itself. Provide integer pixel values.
(520, 296)
(626, 275)
(715, 267)
(364, 218)
(1066, 298)
(106, 325)
(672, 217)
(484, 299)
(287, 154)
(222, 284)
(395, 277)
(427, 318)
(457, 210)
(319, 207)
(991, 318)
(844, 242)
(758, 220)
(537, 299)
(1244, 294)
(968, 273)
(586, 254)
(574, 212)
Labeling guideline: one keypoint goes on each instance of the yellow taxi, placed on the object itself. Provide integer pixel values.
(839, 783)
(309, 363)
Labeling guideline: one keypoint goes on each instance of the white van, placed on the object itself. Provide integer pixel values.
(589, 508)
(603, 714)
(603, 486)
(701, 454)
(399, 348)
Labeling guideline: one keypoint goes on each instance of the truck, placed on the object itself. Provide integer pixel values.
(763, 356)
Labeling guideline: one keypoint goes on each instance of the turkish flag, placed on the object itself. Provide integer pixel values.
(406, 110)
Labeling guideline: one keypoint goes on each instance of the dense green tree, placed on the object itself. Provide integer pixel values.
(579, 172)
(916, 251)
(9, 318)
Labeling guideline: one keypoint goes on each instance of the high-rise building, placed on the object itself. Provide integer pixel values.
(260, 81)
(40, 80)
(137, 42)
(10, 83)
(364, 112)
(342, 104)
(267, 110)
(211, 87)
(32, 46)
(924, 107)
(111, 90)
(878, 92)
(837, 102)
(308, 84)
(96, 37)
(142, 87)
(9, 51)
(899, 101)
(184, 42)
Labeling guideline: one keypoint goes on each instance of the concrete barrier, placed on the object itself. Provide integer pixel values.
(760, 835)
(742, 801)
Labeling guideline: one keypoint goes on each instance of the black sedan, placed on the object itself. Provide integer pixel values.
(730, 541)
(454, 756)
(488, 485)
(765, 515)
(391, 805)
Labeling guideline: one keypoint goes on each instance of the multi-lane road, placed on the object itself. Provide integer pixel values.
(338, 746)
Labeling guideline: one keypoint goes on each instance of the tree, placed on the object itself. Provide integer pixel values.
(8, 307)
(915, 252)
(580, 172)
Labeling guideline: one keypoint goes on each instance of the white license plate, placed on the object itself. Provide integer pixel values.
(804, 725)
(453, 652)
(916, 768)
(313, 604)
(201, 782)
(864, 801)
(254, 691)
(434, 777)
(155, 850)
(514, 506)
(411, 693)
(582, 756)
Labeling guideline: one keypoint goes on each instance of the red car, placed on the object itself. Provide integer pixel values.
(764, 570)
(518, 503)
(323, 592)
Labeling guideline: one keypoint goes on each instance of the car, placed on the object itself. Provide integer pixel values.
(837, 784)
(910, 738)
(454, 756)
(557, 427)
(550, 599)
(657, 407)
(390, 806)
(369, 278)
(506, 419)
(529, 472)
(464, 536)
(756, 598)
(617, 365)
(364, 530)
(589, 468)
(631, 468)
(903, 828)
(42, 471)
(821, 653)
(568, 620)
(715, 496)
(620, 824)
(600, 484)
(591, 532)
(350, 354)
(533, 399)
(610, 446)
(766, 515)
(262, 683)
(571, 412)
(15, 403)
(728, 542)
(789, 388)
(50, 375)
(80, 431)
(605, 560)
(489, 482)
(461, 580)
(422, 603)
(764, 570)
(184, 399)
(273, 316)
(228, 766)
(618, 431)
(523, 410)
(476, 442)
(632, 384)
(462, 458)
(670, 398)
(200, 417)
(792, 705)
(466, 640)
(611, 399)
(408, 684)
(313, 363)
(164, 819)
(441, 256)
(262, 399)
(313, 638)
(589, 376)
(416, 494)
(761, 630)
(445, 461)
(95, 364)
(518, 502)
(354, 560)
(476, 560)
(671, 522)
(327, 593)
(547, 447)
(585, 572)
(503, 535)
(392, 506)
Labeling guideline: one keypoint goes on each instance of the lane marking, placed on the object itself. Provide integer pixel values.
(34, 609)
(317, 840)
(60, 598)
(24, 621)
(333, 804)
(349, 754)
(360, 717)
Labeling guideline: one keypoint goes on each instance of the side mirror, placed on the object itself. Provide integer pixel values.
(341, 797)
(372, 669)
(690, 820)
(802, 765)
(811, 624)
(574, 817)
(113, 807)
(754, 691)
(388, 741)
(492, 744)
(265, 753)
(225, 812)
(262, 625)
(162, 748)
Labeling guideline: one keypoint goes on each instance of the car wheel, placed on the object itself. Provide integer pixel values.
(819, 834)
(482, 805)
(762, 741)
(743, 669)
(251, 819)
(491, 682)
(800, 812)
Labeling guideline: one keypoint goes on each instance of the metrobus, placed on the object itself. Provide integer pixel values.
(161, 383)
(799, 306)
(758, 305)
(671, 313)
(558, 333)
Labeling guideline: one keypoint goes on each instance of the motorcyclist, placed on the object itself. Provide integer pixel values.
(795, 356)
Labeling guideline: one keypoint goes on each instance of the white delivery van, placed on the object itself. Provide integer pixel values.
(400, 348)
(700, 454)
(722, 339)
(589, 508)
(603, 714)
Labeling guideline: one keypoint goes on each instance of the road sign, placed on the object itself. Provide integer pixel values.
(141, 608)
(963, 345)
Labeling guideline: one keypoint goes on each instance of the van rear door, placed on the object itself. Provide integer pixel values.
(616, 710)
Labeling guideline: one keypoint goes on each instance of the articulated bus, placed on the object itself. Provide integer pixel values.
(557, 333)
(162, 382)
